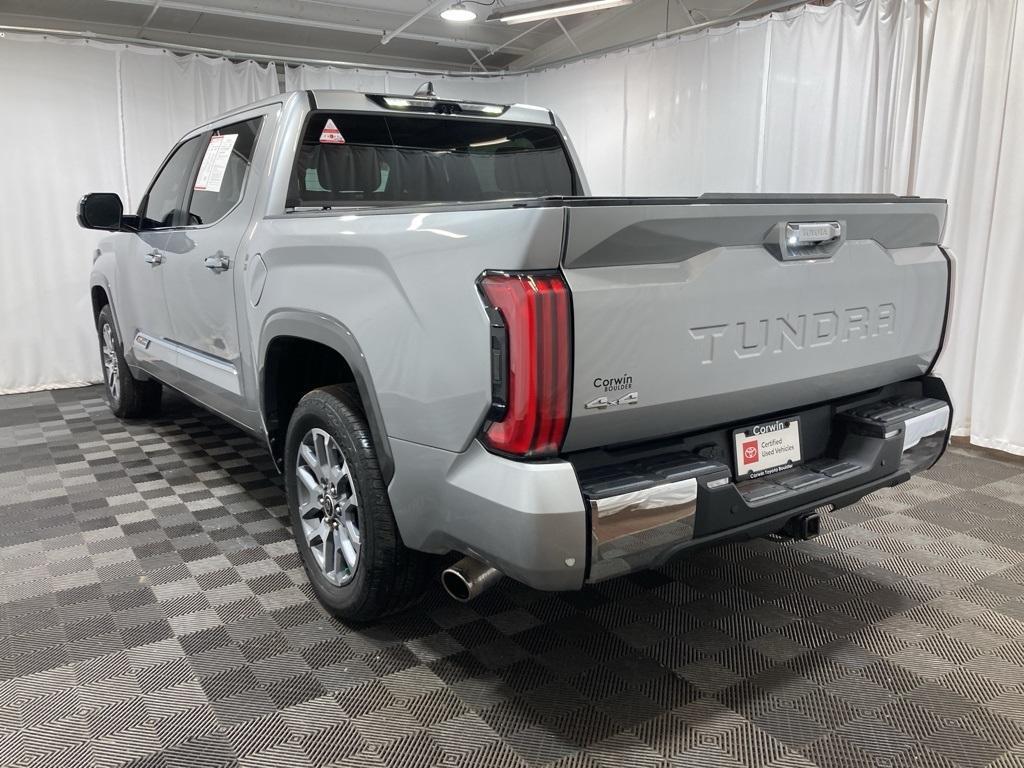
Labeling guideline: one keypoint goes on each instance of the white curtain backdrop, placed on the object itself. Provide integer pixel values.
(920, 97)
(589, 98)
(163, 96)
(83, 117)
(814, 100)
(997, 373)
(59, 133)
(969, 153)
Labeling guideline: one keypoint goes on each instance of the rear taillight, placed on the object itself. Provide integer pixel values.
(531, 362)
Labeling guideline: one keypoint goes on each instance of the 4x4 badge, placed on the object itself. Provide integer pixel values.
(601, 403)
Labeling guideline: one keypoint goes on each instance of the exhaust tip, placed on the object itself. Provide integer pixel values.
(455, 585)
(468, 578)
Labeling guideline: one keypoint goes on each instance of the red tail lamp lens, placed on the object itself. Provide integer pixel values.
(532, 360)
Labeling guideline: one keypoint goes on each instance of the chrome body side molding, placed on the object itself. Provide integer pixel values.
(210, 369)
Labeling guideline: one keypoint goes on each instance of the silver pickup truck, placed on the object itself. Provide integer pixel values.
(449, 347)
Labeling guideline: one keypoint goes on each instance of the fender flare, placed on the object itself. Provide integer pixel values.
(331, 333)
(99, 280)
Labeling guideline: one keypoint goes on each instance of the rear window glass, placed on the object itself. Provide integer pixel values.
(349, 159)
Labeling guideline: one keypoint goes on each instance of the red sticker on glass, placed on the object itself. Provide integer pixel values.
(331, 134)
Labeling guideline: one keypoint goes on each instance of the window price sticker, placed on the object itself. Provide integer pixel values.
(215, 162)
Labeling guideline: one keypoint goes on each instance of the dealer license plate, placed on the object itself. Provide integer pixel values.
(767, 448)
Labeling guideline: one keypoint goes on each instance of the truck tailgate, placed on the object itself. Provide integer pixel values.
(693, 314)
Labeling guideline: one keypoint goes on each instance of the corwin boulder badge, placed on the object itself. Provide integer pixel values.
(614, 384)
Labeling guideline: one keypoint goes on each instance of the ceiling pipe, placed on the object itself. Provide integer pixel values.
(222, 53)
(477, 59)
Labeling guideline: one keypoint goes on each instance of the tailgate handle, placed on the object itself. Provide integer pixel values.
(800, 240)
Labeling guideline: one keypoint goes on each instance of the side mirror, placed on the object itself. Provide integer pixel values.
(100, 210)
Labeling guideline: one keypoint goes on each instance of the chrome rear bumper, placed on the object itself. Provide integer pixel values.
(644, 511)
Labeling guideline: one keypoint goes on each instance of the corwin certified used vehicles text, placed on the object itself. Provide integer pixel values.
(449, 347)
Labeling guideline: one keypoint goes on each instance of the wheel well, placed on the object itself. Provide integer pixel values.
(294, 366)
(99, 301)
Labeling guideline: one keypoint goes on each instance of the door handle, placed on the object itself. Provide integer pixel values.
(217, 263)
(806, 240)
(154, 257)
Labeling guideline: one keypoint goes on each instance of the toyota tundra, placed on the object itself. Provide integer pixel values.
(450, 347)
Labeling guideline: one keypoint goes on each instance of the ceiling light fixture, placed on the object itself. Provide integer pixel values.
(458, 12)
(553, 10)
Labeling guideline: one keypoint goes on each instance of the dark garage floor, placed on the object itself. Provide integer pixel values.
(153, 612)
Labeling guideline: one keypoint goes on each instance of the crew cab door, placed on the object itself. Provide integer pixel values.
(142, 259)
(200, 284)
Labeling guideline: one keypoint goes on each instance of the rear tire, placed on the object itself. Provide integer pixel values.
(341, 514)
(127, 396)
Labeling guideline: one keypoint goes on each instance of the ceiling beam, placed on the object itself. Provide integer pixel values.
(149, 18)
(558, 47)
(686, 12)
(410, 21)
(189, 47)
(506, 46)
(212, 45)
(300, 21)
(532, 63)
(568, 37)
(477, 59)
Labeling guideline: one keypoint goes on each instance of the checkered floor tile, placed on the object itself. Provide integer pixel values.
(153, 612)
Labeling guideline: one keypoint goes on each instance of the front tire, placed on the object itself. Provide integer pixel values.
(127, 396)
(340, 511)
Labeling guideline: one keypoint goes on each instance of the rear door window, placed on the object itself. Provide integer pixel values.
(352, 158)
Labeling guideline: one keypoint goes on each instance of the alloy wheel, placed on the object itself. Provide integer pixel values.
(110, 364)
(328, 506)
